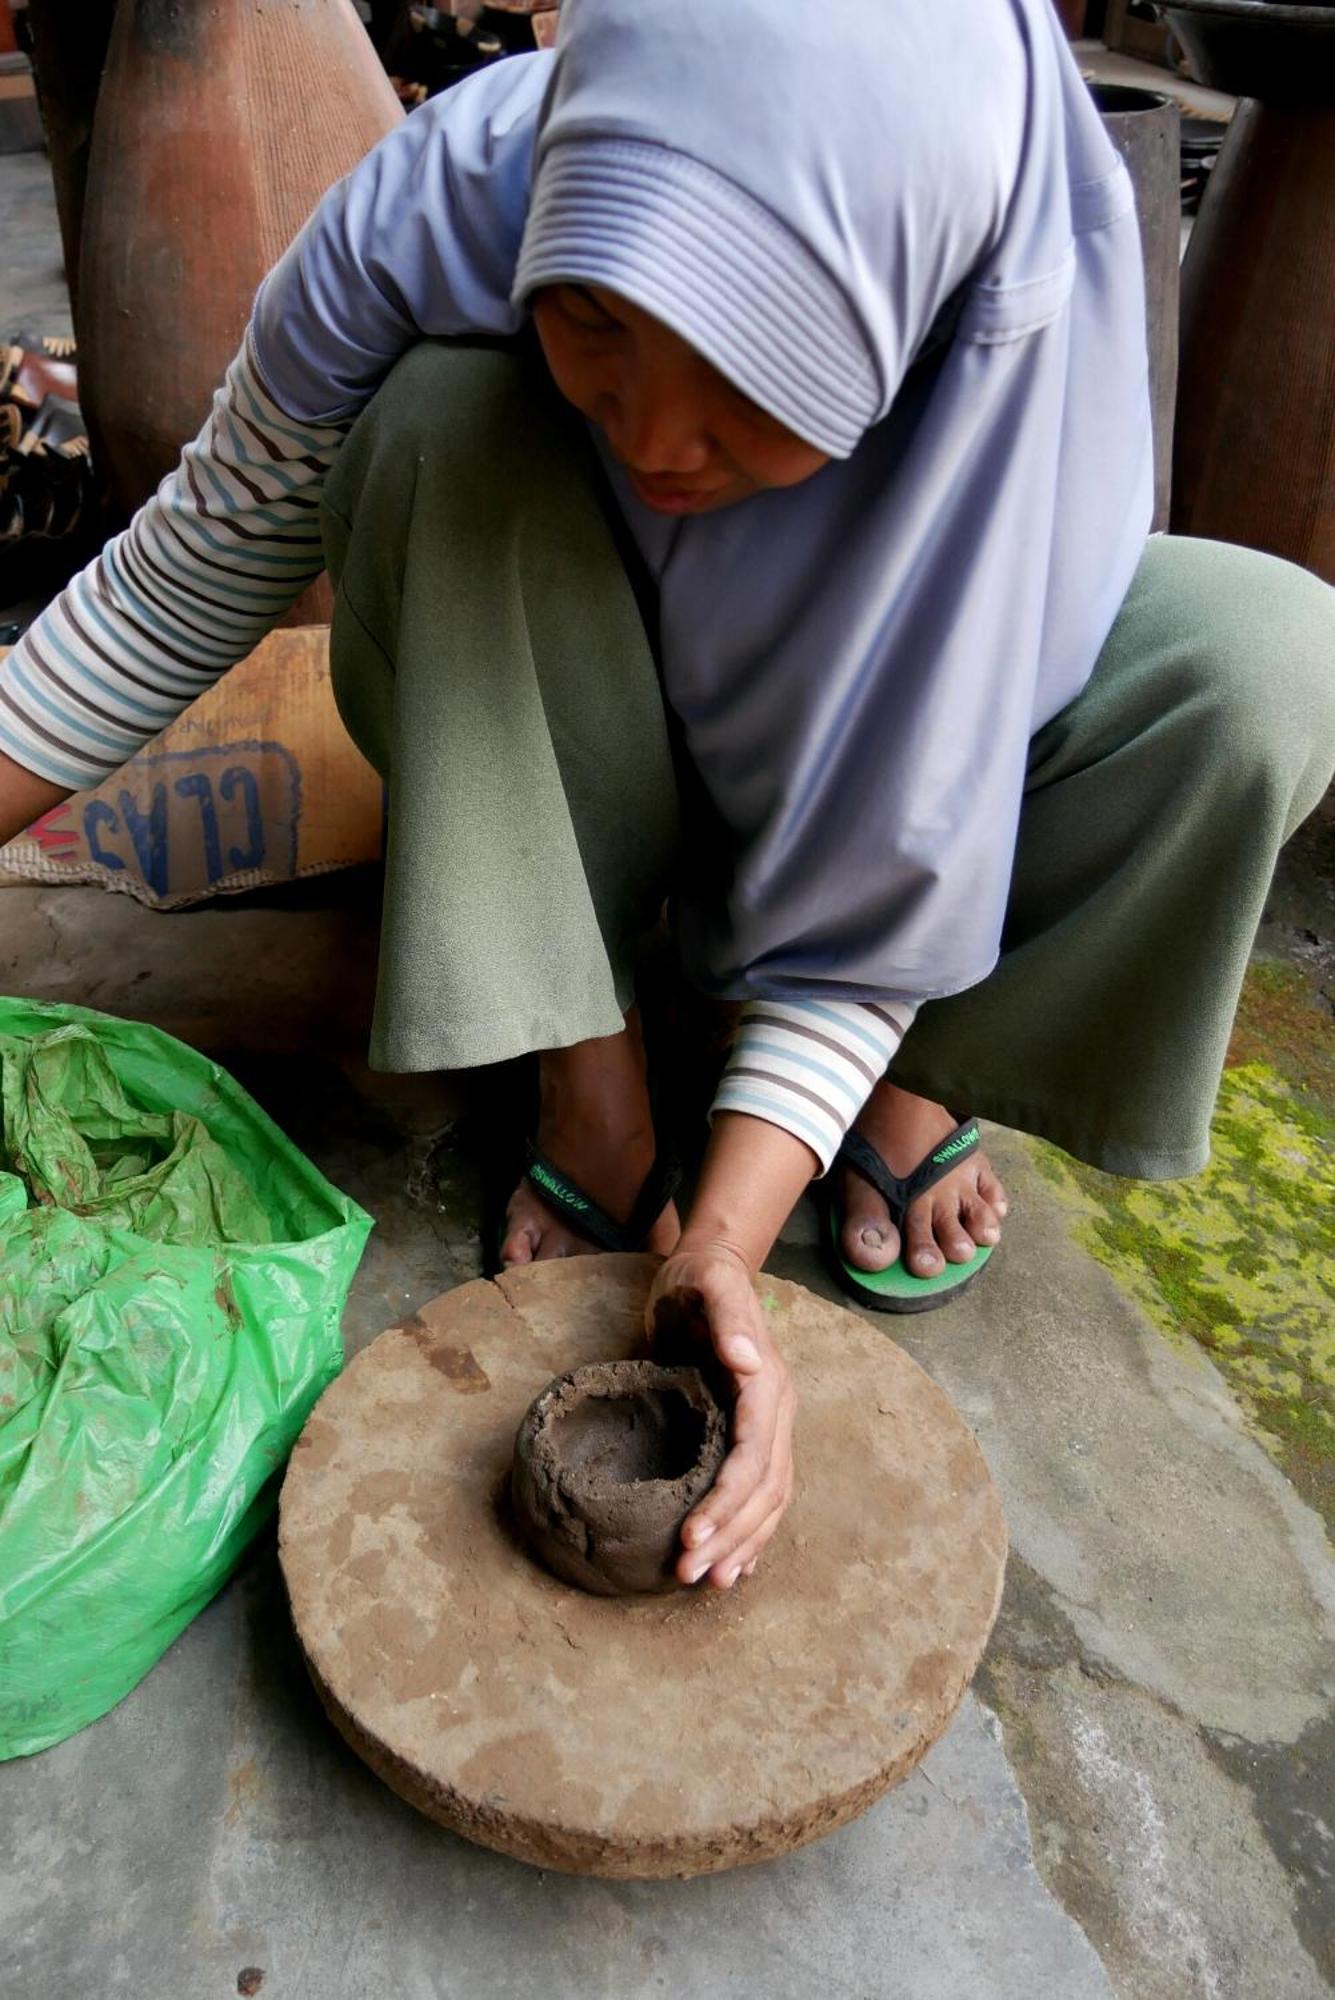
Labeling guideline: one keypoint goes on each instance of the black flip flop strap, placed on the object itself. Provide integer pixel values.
(898, 1192)
(660, 1185)
(569, 1200)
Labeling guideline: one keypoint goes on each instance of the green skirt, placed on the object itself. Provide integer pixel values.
(490, 658)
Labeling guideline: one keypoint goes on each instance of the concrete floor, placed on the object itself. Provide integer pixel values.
(34, 299)
(1135, 1800)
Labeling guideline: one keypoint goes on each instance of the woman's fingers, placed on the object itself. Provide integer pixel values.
(749, 1557)
(737, 1330)
(752, 1462)
(744, 1558)
(708, 1296)
(751, 1492)
(692, 1305)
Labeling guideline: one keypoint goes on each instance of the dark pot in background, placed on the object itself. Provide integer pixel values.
(1260, 48)
(1144, 125)
(67, 61)
(1255, 450)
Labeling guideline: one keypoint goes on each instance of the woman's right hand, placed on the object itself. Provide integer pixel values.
(703, 1294)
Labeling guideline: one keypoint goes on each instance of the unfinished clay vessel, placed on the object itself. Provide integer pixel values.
(608, 1462)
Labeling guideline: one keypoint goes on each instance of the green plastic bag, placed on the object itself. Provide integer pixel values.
(172, 1278)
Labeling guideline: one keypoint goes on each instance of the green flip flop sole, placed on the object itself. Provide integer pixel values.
(896, 1290)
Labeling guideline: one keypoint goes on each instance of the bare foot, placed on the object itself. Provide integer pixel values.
(594, 1123)
(948, 1224)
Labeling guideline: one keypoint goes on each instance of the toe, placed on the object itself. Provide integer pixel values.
(520, 1245)
(991, 1190)
(924, 1256)
(981, 1220)
(534, 1235)
(953, 1239)
(869, 1239)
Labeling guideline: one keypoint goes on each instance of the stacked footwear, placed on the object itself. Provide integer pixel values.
(46, 472)
(427, 49)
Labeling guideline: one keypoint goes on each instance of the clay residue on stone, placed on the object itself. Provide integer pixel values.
(661, 1735)
(459, 1365)
(608, 1462)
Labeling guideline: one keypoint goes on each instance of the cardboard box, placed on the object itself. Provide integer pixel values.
(257, 783)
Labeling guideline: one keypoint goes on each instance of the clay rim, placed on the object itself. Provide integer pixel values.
(605, 1382)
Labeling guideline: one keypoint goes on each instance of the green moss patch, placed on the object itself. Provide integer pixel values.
(1241, 1259)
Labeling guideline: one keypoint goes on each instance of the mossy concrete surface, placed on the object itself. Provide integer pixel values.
(1241, 1258)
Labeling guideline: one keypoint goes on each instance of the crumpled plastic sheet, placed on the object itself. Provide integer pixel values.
(172, 1278)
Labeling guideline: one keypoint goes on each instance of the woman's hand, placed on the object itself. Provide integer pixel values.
(703, 1293)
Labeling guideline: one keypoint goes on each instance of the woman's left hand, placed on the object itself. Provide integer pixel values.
(704, 1292)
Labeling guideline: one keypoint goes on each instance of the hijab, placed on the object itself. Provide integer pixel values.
(901, 229)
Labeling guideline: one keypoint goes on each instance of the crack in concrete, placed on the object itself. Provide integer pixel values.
(1288, 1782)
(1120, 1849)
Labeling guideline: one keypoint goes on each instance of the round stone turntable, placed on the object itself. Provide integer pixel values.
(638, 1736)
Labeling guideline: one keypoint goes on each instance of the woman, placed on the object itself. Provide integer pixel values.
(822, 331)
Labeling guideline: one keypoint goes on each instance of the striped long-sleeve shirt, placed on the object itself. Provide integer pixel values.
(205, 569)
(810, 1065)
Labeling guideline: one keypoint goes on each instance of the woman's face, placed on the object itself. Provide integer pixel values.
(688, 439)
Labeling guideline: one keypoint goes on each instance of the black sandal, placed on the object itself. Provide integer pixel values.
(566, 1198)
(896, 1289)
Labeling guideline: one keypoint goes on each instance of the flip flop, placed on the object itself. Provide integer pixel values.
(566, 1198)
(896, 1289)
(46, 472)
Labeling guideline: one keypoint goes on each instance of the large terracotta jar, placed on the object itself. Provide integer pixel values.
(218, 128)
(69, 49)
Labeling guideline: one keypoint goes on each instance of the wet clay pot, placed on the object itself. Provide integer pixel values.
(608, 1462)
(217, 130)
(1255, 452)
